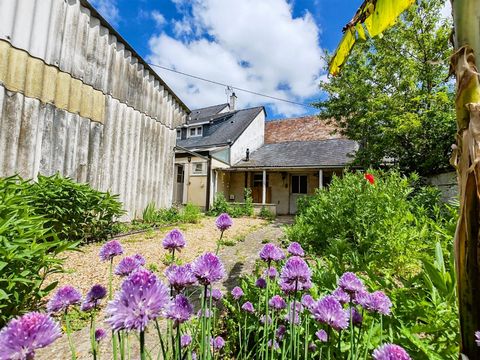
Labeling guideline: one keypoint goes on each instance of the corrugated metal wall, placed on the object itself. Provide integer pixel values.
(75, 98)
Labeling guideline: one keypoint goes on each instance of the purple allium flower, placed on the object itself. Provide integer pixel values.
(390, 352)
(127, 265)
(217, 343)
(208, 269)
(312, 347)
(307, 301)
(280, 332)
(357, 318)
(329, 311)
(140, 259)
(180, 277)
(110, 249)
(237, 292)
(295, 249)
(296, 271)
(477, 337)
(216, 294)
(271, 272)
(223, 222)
(100, 335)
(63, 298)
(179, 310)
(362, 298)
(261, 283)
(275, 344)
(142, 298)
(248, 307)
(342, 297)
(23, 335)
(194, 355)
(350, 283)
(289, 289)
(185, 340)
(322, 335)
(270, 252)
(277, 302)
(174, 240)
(379, 302)
(263, 318)
(92, 300)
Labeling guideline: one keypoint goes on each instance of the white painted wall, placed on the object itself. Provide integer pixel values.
(252, 138)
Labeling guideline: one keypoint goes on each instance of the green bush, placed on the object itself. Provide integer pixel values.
(221, 205)
(26, 257)
(75, 211)
(266, 214)
(382, 226)
(157, 217)
(191, 214)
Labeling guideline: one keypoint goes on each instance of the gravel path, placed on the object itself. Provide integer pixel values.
(247, 234)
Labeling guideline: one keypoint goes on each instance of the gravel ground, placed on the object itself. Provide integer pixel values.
(84, 268)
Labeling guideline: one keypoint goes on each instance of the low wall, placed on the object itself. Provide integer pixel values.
(447, 183)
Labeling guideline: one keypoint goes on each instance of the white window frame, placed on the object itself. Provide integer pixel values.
(198, 172)
(197, 131)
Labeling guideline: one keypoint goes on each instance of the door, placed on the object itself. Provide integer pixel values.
(299, 188)
(179, 182)
(257, 189)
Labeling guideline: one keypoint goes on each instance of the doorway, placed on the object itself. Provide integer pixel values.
(299, 188)
(179, 183)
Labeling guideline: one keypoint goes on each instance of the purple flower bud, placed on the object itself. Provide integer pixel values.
(110, 249)
(223, 222)
(277, 303)
(350, 283)
(261, 283)
(295, 249)
(92, 300)
(322, 335)
(390, 352)
(312, 347)
(23, 335)
(180, 277)
(128, 264)
(280, 333)
(63, 298)
(270, 252)
(275, 344)
(237, 293)
(248, 307)
(271, 272)
(208, 269)
(218, 343)
(216, 294)
(185, 340)
(264, 318)
(356, 317)
(477, 337)
(100, 335)
(179, 310)
(174, 240)
(329, 311)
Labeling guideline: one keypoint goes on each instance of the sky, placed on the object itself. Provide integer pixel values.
(273, 47)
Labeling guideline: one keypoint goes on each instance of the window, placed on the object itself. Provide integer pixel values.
(299, 184)
(195, 131)
(258, 180)
(179, 134)
(198, 168)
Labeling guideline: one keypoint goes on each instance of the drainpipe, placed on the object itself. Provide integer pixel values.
(209, 180)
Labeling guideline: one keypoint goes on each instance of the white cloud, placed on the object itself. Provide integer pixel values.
(108, 9)
(256, 45)
(447, 10)
(158, 18)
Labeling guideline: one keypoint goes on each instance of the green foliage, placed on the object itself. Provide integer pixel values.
(75, 211)
(363, 224)
(191, 214)
(29, 249)
(393, 95)
(266, 214)
(159, 217)
(221, 205)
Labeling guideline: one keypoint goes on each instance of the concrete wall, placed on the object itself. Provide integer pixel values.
(252, 138)
(75, 99)
(447, 183)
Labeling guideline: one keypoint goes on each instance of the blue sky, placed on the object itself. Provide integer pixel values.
(267, 46)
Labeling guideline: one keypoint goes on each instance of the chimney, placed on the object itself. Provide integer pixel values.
(247, 155)
(233, 100)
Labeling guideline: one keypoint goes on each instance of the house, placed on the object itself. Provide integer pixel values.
(280, 160)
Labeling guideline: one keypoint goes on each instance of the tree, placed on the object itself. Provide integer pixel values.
(393, 95)
(378, 15)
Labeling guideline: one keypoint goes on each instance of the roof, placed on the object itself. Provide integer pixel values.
(307, 128)
(203, 114)
(225, 128)
(322, 153)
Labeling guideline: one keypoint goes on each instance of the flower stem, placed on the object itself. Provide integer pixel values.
(69, 336)
(142, 345)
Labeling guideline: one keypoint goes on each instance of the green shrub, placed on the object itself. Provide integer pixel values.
(247, 193)
(75, 211)
(221, 205)
(191, 214)
(266, 214)
(149, 214)
(26, 257)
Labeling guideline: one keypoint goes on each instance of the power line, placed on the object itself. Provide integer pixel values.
(232, 87)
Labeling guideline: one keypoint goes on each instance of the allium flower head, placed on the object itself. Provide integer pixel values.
(289, 289)
(350, 283)
(110, 249)
(174, 240)
(477, 337)
(329, 311)
(92, 300)
(23, 335)
(180, 277)
(280, 332)
(63, 298)
(362, 298)
(295, 249)
(322, 335)
(341, 296)
(179, 310)
(271, 272)
(390, 352)
(248, 307)
(312, 347)
(223, 222)
(296, 271)
(185, 340)
(270, 252)
(277, 303)
(356, 317)
(237, 292)
(379, 302)
(216, 294)
(217, 343)
(142, 298)
(208, 269)
(100, 335)
(129, 264)
(307, 301)
(261, 283)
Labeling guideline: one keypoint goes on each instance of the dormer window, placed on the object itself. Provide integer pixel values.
(195, 131)
(179, 134)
